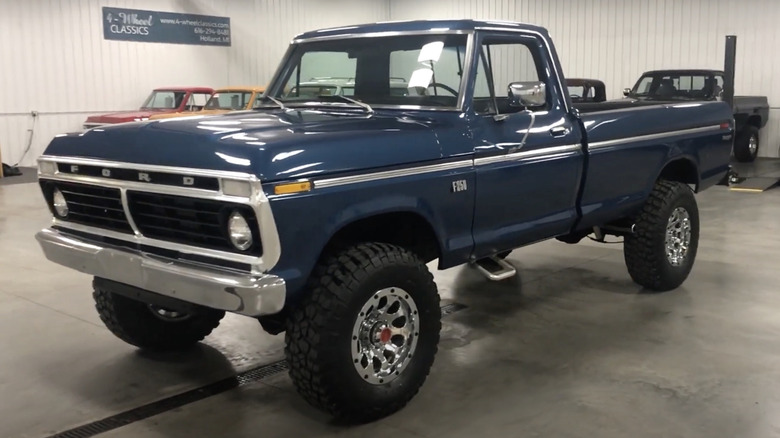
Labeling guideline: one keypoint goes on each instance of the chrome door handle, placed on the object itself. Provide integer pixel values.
(559, 131)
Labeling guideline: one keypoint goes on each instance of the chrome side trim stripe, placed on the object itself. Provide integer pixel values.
(550, 152)
(462, 164)
(397, 173)
(525, 155)
(618, 141)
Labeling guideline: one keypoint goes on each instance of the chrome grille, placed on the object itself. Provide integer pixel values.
(192, 221)
(90, 205)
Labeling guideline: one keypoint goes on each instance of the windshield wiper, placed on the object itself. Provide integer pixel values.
(276, 101)
(363, 105)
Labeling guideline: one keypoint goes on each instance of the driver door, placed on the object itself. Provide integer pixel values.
(528, 160)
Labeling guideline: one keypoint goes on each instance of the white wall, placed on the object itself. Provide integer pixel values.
(54, 60)
(617, 40)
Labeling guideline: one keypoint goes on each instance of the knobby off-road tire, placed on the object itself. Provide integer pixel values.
(359, 301)
(661, 251)
(153, 328)
(746, 145)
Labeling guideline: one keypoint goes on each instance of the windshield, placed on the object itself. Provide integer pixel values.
(678, 86)
(415, 70)
(164, 100)
(233, 100)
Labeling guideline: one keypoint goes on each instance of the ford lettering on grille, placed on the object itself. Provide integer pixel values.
(163, 178)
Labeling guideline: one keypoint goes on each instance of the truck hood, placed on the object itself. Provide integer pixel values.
(126, 116)
(273, 144)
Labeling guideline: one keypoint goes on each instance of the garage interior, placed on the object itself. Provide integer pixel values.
(570, 346)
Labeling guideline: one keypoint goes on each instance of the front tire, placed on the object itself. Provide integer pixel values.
(363, 340)
(661, 251)
(152, 327)
(746, 145)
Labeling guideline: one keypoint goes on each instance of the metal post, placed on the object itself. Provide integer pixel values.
(728, 69)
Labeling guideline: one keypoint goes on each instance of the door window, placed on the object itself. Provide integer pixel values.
(503, 60)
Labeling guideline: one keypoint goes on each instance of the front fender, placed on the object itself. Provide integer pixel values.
(308, 222)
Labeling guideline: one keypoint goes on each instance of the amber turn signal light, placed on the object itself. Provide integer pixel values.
(296, 187)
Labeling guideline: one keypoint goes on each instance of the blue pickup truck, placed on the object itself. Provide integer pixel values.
(317, 213)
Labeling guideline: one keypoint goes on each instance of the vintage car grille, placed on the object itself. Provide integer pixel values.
(192, 221)
(90, 205)
(179, 219)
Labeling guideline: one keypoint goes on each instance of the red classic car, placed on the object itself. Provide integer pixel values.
(161, 101)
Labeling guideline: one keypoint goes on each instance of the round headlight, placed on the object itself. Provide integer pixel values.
(239, 231)
(60, 205)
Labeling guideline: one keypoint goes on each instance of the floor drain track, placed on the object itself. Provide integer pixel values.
(192, 396)
(170, 403)
(451, 308)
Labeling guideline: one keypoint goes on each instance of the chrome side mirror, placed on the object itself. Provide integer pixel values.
(527, 94)
(626, 92)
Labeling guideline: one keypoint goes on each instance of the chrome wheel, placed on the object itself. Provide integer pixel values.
(384, 336)
(753, 144)
(167, 314)
(678, 236)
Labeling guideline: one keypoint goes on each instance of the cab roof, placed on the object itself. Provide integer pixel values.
(420, 26)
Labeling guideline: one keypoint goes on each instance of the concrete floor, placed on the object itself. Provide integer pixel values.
(569, 348)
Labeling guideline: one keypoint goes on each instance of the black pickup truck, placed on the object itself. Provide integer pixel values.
(750, 112)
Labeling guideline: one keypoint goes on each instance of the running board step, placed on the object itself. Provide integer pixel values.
(495, 268)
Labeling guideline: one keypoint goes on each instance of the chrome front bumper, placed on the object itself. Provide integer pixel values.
(248, 294)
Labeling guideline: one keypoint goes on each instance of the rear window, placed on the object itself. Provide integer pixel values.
(678, 86)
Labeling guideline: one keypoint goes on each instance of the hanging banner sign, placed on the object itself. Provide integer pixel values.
(165, 27)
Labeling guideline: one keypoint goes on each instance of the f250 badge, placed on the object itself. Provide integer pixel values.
(459, 186)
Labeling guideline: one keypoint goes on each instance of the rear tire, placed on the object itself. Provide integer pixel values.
(661, 251)
(153, 328)
(746, 145)
(364, 304)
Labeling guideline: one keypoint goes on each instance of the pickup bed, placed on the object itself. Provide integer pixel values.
(317, 213)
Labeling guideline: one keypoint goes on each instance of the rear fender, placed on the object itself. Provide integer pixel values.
(681, 168)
